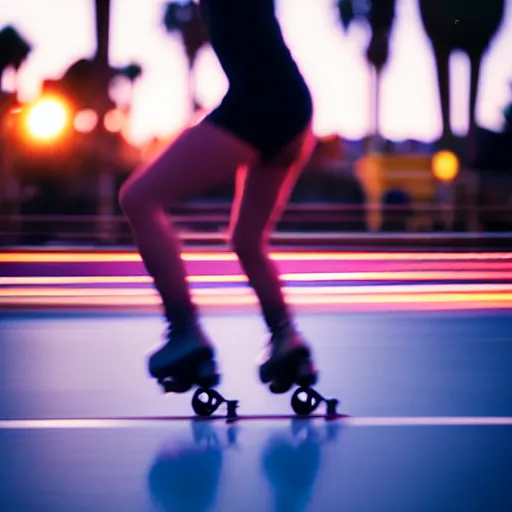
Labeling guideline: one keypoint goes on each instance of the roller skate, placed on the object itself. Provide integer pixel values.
(186, 360)
(287, 362)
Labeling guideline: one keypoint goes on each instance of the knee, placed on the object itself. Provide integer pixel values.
(247, 245)
(131, 199)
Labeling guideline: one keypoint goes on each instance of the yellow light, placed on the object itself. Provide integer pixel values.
(445, 166)
(47, 119)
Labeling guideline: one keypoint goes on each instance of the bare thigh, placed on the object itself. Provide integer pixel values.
(201, 157)
(262, 191)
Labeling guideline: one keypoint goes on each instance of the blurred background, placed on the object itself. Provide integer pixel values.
(414, 130)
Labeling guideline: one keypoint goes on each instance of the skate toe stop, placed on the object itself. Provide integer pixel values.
(232, 406)
(332, 406)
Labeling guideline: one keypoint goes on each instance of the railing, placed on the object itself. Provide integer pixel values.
(304, 224)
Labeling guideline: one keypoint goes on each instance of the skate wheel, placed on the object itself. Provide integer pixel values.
(206, 401)
(305, 400)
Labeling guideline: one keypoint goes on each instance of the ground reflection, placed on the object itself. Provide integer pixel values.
(186, 473)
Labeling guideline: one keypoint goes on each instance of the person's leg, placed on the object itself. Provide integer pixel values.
(262, 194)
(202, 157)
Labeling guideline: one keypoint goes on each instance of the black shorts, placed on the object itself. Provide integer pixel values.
(267, 119)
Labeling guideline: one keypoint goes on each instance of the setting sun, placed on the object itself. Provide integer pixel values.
(47, 119)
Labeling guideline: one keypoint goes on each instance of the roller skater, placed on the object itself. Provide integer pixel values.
(261, 136)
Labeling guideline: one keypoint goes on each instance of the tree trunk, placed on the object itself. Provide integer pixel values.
(375, 102)
(106, 189)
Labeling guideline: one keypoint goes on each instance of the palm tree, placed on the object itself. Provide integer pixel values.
(185, 18)
(79, 84)
(131, 72)
(103, 75)
(13, 50)
(467, 25)
(103, 71)
(380, 15)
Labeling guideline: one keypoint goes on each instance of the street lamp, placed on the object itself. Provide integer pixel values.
(445, 166)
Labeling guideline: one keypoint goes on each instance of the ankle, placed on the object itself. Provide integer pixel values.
(283, 329)
(182, 318)
(278, 319)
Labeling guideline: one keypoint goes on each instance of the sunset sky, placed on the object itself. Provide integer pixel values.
(62, 31)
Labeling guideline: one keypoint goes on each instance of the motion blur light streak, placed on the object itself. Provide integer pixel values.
(415, 281)
(317, 290)
(309, 297)
(298, 277)
(388, 276)
(361, 421)
(151, 304)
(104, 257)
